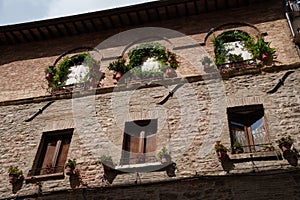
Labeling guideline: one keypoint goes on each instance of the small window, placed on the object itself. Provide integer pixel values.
(139, 143)
(52, 153)
(248, 128)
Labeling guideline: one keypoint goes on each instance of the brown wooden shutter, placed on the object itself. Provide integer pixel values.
(62, 155)
(150, 148)
(134, 149)
(47, 163)
(126, 149)
(239, 135)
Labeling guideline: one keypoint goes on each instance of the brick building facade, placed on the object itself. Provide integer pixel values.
(231, 105)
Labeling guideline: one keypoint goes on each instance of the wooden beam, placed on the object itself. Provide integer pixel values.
(24, 36)
(87, 30)
(111, 21)
(102, 22)
(33, 35)
(41, 33)
(139, 17)
(67, 29)
(59, 31)
(94, 25)
(10, 41)
(196, 7)
(76, 28)
(15, 37)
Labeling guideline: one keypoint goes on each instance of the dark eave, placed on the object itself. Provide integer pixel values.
(109, 19)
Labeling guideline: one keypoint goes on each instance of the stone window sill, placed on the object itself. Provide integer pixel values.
(143, 167)
(256, 156)
(46, 177)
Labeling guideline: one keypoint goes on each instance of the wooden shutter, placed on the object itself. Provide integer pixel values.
(139, 141)
(54, 155)
(134, 149)
(61, 160)
(239, 135)
(48, 158)
(126, 149)
(150, 148)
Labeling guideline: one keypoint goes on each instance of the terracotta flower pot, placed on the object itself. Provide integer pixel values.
(221, 154)
(170, 73)
(107, 165)
(165, 158)
(118, 76)
(69, 170)
(13, 178)
(49, 76)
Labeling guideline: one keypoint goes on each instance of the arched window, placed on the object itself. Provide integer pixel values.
(232, 47)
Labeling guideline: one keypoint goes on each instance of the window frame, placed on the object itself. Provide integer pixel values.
(143, 141)
(65, 134)
(248, 132)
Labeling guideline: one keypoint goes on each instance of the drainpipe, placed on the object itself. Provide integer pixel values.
(290, 23)
(291, 26)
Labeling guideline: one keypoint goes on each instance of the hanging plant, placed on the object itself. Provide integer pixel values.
(78, 69)
(146, 60)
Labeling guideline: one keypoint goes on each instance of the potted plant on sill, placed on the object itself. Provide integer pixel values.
(70, 166)
(106, 160)
(221, 150)
(206, 62)
(164, 156)
(262, 51)
(223, 157)
(119, 67)
(15, 174)
(237, 148)
(267, 147)
(289, 153)
(285, 143)
(109, 168)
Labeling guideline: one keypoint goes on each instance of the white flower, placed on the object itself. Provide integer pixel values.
(77, 74)
(151, 64)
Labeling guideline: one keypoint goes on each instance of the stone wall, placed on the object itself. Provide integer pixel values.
(189, 123)
(248, 186)
(31, 59)
(189, 130)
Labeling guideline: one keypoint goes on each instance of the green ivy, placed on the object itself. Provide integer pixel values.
(256, 48)
(60, 72)
(139, 54)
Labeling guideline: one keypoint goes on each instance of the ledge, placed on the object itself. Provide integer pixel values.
(46, 177)
(151, 84)
(144, 167)
(256, 156)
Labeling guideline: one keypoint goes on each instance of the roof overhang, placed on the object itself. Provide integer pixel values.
(122, 17)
